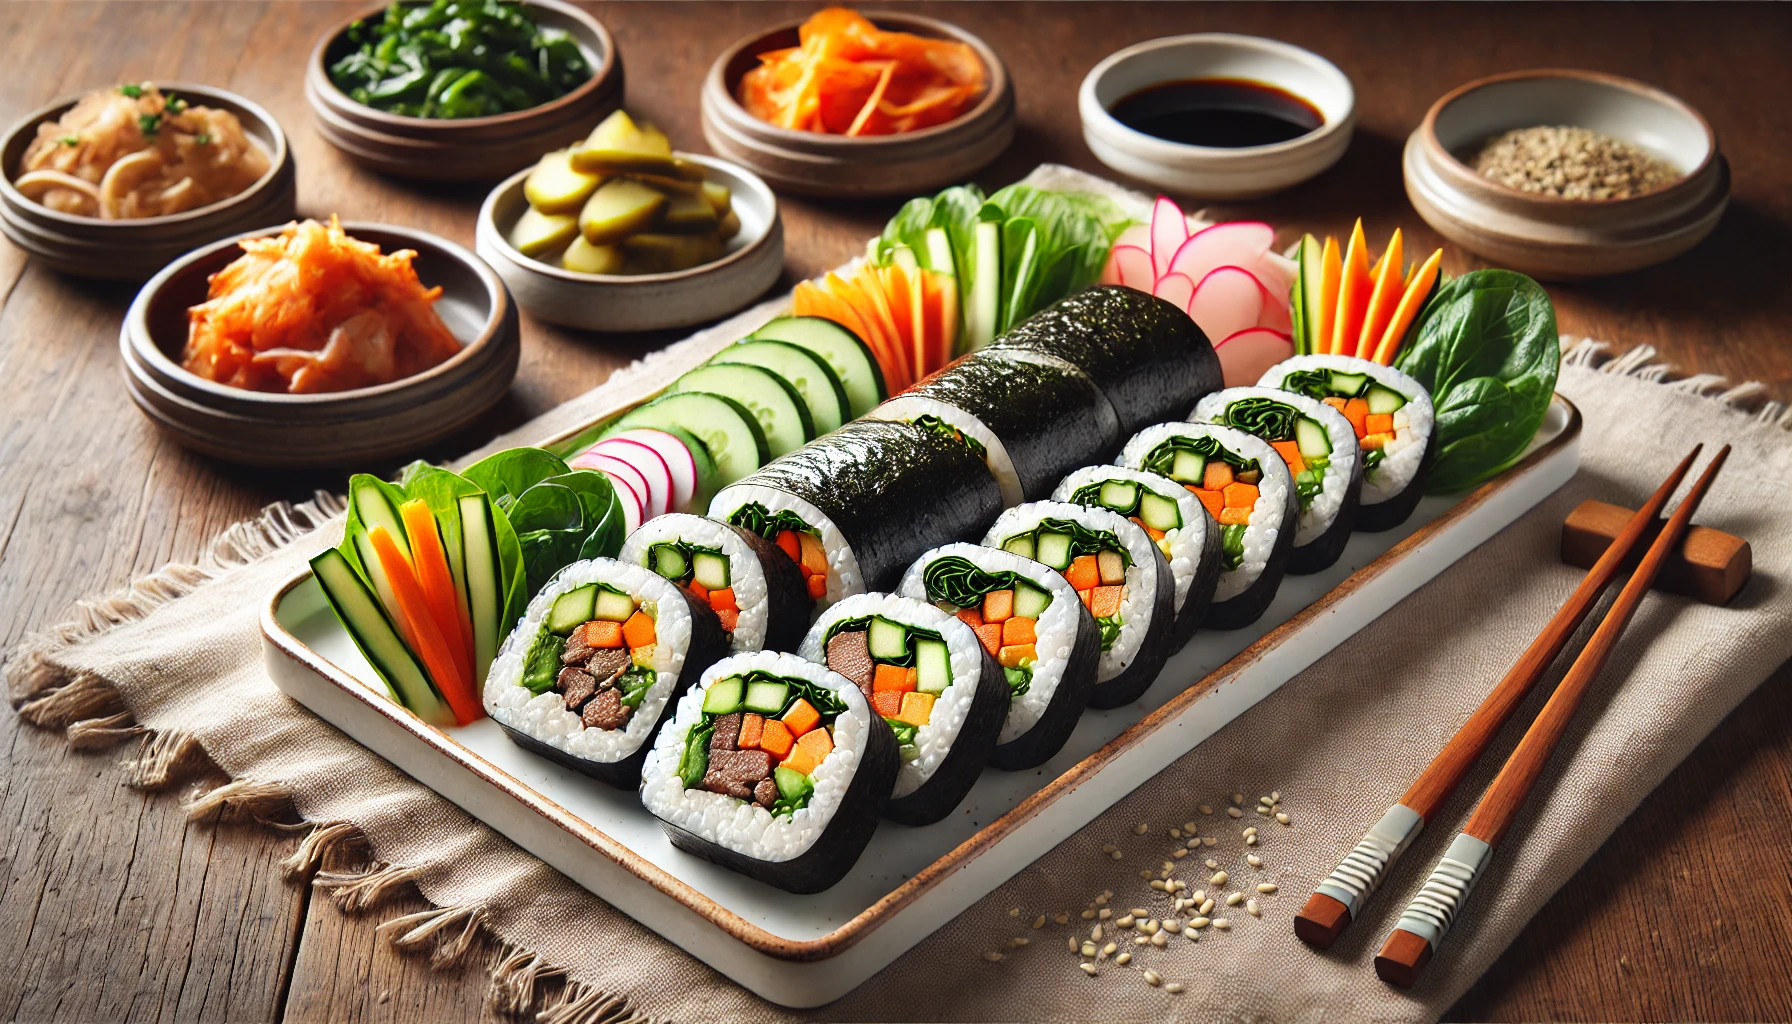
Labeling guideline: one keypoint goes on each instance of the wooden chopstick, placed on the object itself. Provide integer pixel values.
(1429, 917)
(1329, 910)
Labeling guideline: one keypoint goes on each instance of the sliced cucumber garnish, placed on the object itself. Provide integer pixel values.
(780, 410)
(841, 349)
(805, 371)
(727, 431)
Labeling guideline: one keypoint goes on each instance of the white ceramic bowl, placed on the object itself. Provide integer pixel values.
(1548, 236)
(641, 302)
(1212, 172)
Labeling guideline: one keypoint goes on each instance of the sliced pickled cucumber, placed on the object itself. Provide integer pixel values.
(535, 232)
(619, 144)
(689, 214)
(556, 186)
(720, 199)
(618, 209)
(655, 253)
(729, 227)
(584, 258)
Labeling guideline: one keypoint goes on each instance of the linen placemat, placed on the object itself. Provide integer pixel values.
(177, 659)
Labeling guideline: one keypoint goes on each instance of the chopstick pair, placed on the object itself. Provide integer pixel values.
(1330, 909)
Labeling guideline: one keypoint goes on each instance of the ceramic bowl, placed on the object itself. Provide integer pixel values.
(642, 302)
(1211, 172)
(473, 148)
(812, 163)
(344, 428)
(133, 250)
(1551, 237)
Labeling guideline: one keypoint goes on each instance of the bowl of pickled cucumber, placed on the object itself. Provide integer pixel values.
(462, 90)
(620, 232)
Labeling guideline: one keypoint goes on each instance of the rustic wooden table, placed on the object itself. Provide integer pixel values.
(112, 907)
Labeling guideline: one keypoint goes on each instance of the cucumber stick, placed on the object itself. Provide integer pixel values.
(1311, 438)
(983, 310)
(485, 584)
(1312, 288)
(373, 634)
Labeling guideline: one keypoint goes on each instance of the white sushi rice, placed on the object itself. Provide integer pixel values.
(745, 575)
(1414, 422)
(544, 716)
(1184, 545)
(741, 825)
(933, 740)
(1054, 633)
(1141, 585)
(843, 567)
(1272, 493)
(1318, 516)
(909, 408)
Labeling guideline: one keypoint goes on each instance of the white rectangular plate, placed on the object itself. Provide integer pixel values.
(805, 951)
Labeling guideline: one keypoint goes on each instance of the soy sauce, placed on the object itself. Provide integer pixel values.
(1228, 113)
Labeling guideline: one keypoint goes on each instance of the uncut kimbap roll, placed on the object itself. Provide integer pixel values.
(1117, 573)
(1032, 417)
(755, 589)
(602, 651)
(1318, 446)
(930, 680)
(1030, 619)
(1247, 489)
(855, 507)
(775, 767)
(1392, 416)
(1145, 354)
(1174, 520)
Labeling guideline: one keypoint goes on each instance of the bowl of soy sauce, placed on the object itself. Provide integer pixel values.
(1217, 116)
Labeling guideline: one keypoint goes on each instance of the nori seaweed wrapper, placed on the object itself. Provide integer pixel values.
(1050, 416)
(892, 489)
(946, 788)
(1146, 355)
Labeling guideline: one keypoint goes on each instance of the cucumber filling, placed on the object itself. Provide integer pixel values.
(901, 669)
(760, 738)
(1094, 562)
(595, 649)
(1213, 474)
(1002, 608)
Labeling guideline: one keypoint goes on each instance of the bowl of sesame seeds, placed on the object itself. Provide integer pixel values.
(1566, 174)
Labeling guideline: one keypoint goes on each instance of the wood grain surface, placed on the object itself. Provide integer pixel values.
(112, 907)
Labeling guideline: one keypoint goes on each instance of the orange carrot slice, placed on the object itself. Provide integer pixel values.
(1353, 294)
(1382, 299)
(1331, 275)
(1408, 309)
(431, 565)
(414, 608)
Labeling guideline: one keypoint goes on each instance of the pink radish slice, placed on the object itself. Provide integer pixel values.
(1136, 235)
(1247, 355)
(621, 473)
(652, 467)
(1174, 289)
(631, 505)
(1132, 267)
(1169, 230)
(1275, 271)
(1239, 243)
(678, 459)
(1227, 301)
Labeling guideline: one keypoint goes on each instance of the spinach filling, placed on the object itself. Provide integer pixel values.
(956, 583)
(1278, 422)
(758, 519)
(935, 425)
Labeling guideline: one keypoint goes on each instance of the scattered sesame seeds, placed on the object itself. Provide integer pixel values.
(1039, 922)
(1276, 796)
(1152, 978)
(1123, 959)
(1198, 924)
(1158, 884)
(1061, 918)
(1205, 808)
(1210, 841)
(1251, 907)
(1199, 896)
(1179, 854)
(993, 957)
(1088, 949)
(1124, 921)
(1073, 944)
(1206, 906)
(1108, 950)
(1266, 888)
(1212, 865)
(1088, 969)
(1219, 878)
(1140, 940)
(1104, 913)
(1174, 988)
(1088, 915)
(1193, 843)
(1175, 833)
(1282, 816)
(1160, 940)
(1095, 933)
(1234, 812)
(1222, 923)
(1235, 899)
(1017, 943)
(1140, 829)
(1189, 827)
(1109, 848)
(1013, 911)
(1253, 860)
(1140, 914)
(1250, 840)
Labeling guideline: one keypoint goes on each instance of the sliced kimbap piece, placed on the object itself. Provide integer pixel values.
(772, 766)
(1247, 489)
(1174, 520)
(1318, 446)
(1030, 619)
(603, 650)
(855, 507)
(1392, 416)
(1117, 573)
(927, 676)
(1032, 417)
(1147, 356)
(754, 588)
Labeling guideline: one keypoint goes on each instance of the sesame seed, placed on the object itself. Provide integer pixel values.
(1205, 808)
(1123, 959)
(1237, 798)
(1250, 830)
(1235, 899)
(1174, 988)
(1160, 940)
(1179, 854)
(1282, 816)
(1253, 860)
(1088, 949)
(1088, 969)
(1199, 895)
(1193, 843)
(1266, 887)
(1223, 924)
(1013, 911)
(1234, 812)
(1061, 918)
(1139, 914)
(1152, 926)
(1115, 855)
(1219, 878)
(1250, 840)
(1189, 827)
(1108, 950)
(1073, 944)
(1175, 833)
(1151, 978)
(1206, 906)
(1210, 841)
(1088, 915)
(1109, 848)
(1251, 907)
(1140, 940)
(1124, 921)
(1158, 884)
(1198, 923)
(1144, 872)
(1017, 943)
(1039, 922)
(992, 956)
(1095, 933)
(1276, 796)
(1140, 829)
(1263, 810)
(1212, 865)
(1104, 913)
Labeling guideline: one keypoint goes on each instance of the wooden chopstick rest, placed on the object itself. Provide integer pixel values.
(1708, 565)
(1328, 911)
(1440, 901)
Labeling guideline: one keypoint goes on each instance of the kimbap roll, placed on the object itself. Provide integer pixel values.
(1118, 574)
(1032, 622)
(756, 590)
(602, 651)
(1148, 357)
(1392, 416)
(772, 766)
(1032, 417)
(930, 680)
(1174, 520)
(1318, 446)
(855, 507)
(1247, 489)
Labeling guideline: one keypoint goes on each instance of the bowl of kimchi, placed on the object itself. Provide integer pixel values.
(842, 104)
(344, 346)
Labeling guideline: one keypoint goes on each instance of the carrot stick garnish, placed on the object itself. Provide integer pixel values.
(1331, 274)
(1410, 303)
(1353, 294)
(1382, 299)
(431, 565)
(431, 646)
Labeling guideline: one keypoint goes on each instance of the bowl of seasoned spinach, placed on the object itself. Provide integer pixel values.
(462, 90)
